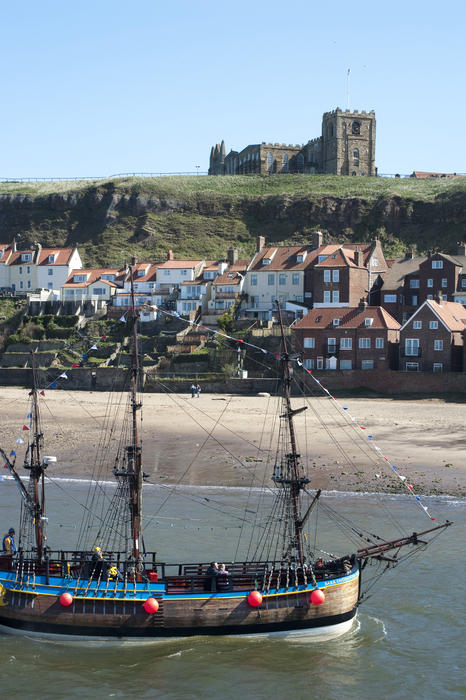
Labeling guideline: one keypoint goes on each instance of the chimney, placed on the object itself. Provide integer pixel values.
(409, 254)
(232, 256)
(358, 257)
(317, 239)
(39, 251)
(362, 305)
(461, 249)
(13, 245)
(260, 243)
(170, 255)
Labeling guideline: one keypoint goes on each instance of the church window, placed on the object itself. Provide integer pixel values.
(270, 161)
(285, 162)
(356, 156)
(330, 131)
(300, 162)
(356, 128)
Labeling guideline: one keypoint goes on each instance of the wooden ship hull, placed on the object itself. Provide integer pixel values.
(115, 610)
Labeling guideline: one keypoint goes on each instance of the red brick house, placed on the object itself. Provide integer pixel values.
(364, 337)
(432, 339)
(411, 281)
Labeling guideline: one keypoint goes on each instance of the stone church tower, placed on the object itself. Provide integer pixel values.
(346, 147)
(348, 143)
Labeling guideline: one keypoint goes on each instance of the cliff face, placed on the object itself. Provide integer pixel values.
(109, 225)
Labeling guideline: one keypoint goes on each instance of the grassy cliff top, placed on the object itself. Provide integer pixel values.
(181, 187)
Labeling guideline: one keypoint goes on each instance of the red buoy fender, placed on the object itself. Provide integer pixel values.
(254, 599)
(66, 599)
(151, 605)
(317, 597)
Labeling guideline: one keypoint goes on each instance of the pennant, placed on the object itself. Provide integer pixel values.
(402, 478)
(5, 466)
(25, 427)
(345, 408)
(369, 437)
(84, 357)
(264, 351)
(12, 453)
(123, 319)
(433, 518)
(104, 337)
(63, 376)
(19, 441)
(94, 347)
(362, 427)
(42, 393)
(75, 365)
(54, 385)
(410, 486)
(29, 415)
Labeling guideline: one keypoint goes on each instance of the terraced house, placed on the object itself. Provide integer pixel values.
(365, 337)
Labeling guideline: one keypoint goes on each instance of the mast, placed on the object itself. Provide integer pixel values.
(37, 468)
(294, 481)
(134, 449)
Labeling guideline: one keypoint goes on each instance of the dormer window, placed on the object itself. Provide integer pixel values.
(77, 279)
(301, 257)
(266, 260)
(336, 321)
(318, 319)
(26, 257)
(368, 321)
(321, 258)
(141, 273)
(52, 258)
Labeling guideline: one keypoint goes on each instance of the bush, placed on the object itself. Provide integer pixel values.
(15, 338)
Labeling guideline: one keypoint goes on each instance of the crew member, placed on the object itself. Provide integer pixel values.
(9, 545)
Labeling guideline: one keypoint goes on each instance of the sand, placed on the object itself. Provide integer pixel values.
(184, 439)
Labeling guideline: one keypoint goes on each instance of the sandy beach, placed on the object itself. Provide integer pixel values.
(224, 440)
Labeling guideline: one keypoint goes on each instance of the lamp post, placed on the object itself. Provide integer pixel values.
(197, 169)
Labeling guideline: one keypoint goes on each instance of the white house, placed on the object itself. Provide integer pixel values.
(90, 285)
(54, 266)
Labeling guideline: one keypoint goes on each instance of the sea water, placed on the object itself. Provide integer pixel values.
(407, 641)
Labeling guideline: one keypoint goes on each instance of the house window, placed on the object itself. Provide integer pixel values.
(69, 292)
(389, 298)
(364, 343)
(184, 273)
(433, 325)
(438, 344)
(412, 347)
(379, 343)
(166, 273)
(309, 364)
(270, 280)
(374, 262)
(50, 271)
(320, 363)
(430, 282)
(29, 284)
(336, 321)
(356, 156)
(345, 364)
(463, 282)
(331, 344)
(309, 342)
(21, 284)
(335, 275)
(346, 343)
(99, 291)
(253, 280)
(367, 364)
(414, 284)
(326, 297)
(20, 270)
(412, 366)
(281, 279)
(300, 161)
(295, 278)
(79, 278)
(437, 264)
(28, 269)
(368, 321)
(414, 300)
(417, 325)
(321, 258)
(26, 257)
(270, 161)
(438, 367)
(429, 296)
(444, 282)
(336, 297)
(326, 275)
(444, 297)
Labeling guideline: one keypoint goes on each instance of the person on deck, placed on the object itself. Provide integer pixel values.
(193, 390)
(223, 580)
(198, 391)
(212, 572)
(99, 566)
(9, 545)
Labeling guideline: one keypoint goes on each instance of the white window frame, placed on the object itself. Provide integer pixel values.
(309, 364)
(335, 296)
(379, 343)
(336, 321)
(437, 367)
(444, 282)
(346, 364)
(320, 363)
(414, 284)
(433, 325)
(413, 367)
(326, 275)
(438, 344)
(411, 347)
(346, 343)
(430, 282)
(437, 264)
(367, 364)
(417, 325)
(389, 298)
(281, 279)
(309, 342)
(327, 297)
(364, 343)
(271, 280)
(335, 275)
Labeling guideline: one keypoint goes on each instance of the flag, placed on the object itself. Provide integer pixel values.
(19, 441)
(63, 376)
(42, 393)
(29, 415)
(54, 385)
(12, 453)
(25, 427)
(123, 319)
(94, 347)
(84, 357)
(75, 365)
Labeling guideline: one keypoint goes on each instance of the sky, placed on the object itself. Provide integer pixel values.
(105, 87)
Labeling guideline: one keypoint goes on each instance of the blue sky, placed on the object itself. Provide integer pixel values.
(109, 86)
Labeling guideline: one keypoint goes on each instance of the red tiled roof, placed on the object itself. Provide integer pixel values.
(451, 313)
(284, 258)
(349, 318)
(178, 264)
(62, 256)
(94, 275)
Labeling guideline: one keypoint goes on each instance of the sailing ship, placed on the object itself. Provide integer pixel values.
(113, 589)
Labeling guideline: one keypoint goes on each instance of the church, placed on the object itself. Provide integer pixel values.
(346, 147)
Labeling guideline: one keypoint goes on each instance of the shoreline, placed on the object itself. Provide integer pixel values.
(181, 440)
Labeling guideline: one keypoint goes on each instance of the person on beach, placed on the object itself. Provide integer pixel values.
(9, 546)
(198, 391)
(193, 390)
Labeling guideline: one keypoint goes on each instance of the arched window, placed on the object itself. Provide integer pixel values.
(356, 156)
(356, 128)
(285, 163)
(270, 161)
(300, 162)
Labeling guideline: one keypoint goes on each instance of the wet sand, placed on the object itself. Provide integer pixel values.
(224, 440)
